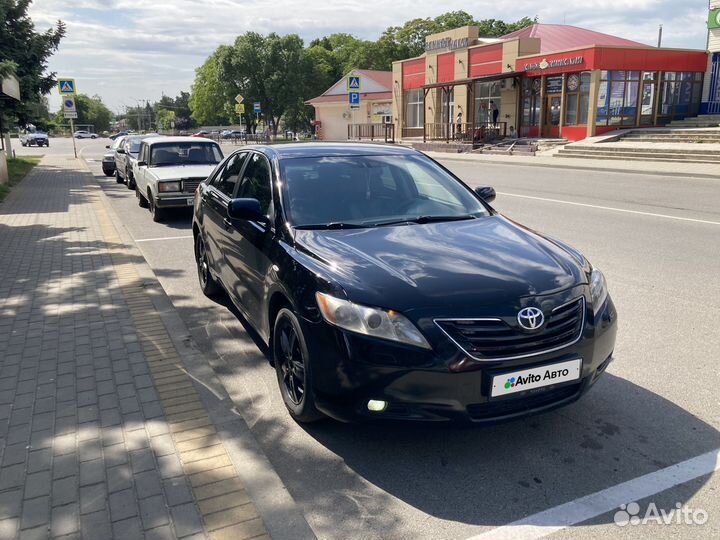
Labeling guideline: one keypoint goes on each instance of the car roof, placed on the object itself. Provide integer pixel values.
(133, 138)
(177, 138)
(319, 149)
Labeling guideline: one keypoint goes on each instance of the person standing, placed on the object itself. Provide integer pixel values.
(495, 112)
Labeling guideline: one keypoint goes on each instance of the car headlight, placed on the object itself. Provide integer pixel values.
(375, 322)
(168, 186)
(598, 290)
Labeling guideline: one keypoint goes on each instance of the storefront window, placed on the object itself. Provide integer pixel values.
(577, 98)
(530, 105)
(485, 92)
(679, 95)
(618, 98)
(447, 107)
(414, 108)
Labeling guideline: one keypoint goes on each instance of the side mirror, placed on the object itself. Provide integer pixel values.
(486, 193)
(247, 209)
(120, 150)
(142, 163)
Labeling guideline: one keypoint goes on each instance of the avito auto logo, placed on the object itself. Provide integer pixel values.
(513, 382)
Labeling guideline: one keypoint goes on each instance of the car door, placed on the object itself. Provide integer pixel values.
(249, 241)
(215, 201)
(140, 172)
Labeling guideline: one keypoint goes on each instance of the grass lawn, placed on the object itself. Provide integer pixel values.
(17, 169)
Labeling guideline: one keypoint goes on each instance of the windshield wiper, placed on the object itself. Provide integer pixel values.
(424, 219)
(333, 225)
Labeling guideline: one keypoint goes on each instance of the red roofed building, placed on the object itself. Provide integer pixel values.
(334, 112)
(546, 80)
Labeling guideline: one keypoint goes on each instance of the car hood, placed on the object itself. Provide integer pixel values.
(183, 171)
(416, 266)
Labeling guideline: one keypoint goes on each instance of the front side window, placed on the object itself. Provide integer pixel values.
(372, 190)
(256, 182)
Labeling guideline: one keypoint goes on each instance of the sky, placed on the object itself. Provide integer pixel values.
(129, 51)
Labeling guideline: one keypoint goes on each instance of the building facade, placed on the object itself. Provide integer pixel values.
(334, 114)
(711, 88)
(543, 81)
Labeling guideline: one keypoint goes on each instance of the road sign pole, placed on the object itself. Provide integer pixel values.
(72, 136)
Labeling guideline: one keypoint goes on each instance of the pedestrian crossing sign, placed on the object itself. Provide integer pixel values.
(66, 86)
(353, 83)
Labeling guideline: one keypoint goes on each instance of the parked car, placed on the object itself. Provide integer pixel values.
(169, 169)
(126, 157)
(109, 158)
(37, 138)
(385, 287)
(118, 134)
(233, 134)
(82, 134)
(201, 134)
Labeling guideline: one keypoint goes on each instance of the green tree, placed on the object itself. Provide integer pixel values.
(274, 70)
(92, 111)
(27, 52)
(210, 93)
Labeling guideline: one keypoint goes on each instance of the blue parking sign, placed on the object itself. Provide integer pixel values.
(354, 98)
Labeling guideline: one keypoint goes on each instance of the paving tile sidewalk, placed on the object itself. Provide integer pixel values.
(102, 432)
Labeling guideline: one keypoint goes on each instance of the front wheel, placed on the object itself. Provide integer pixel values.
(142, 201)
(158, 214)
(118, 179)
(209, 286)
(293, 368)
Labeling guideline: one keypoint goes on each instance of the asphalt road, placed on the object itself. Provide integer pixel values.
(656, 239)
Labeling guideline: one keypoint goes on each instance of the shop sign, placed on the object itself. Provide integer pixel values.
(553, 85)
(448, 43)
(714, 18)
(558, 62)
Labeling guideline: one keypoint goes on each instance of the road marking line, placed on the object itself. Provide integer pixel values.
(565, 515)
(163, 239)
(651, 214)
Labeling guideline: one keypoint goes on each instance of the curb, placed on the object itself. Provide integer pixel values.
(452, 157)
(283, 518)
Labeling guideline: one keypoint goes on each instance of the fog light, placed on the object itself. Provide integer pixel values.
(376, 405)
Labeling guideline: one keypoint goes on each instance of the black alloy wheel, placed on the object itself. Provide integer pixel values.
(209, 286)
(293, 368)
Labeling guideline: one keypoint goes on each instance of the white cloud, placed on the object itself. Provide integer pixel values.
(139, 49)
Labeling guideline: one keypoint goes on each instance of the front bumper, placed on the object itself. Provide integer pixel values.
(175, 201)
(348, 370)
(108, 166)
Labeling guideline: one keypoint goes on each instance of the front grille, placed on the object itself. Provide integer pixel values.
(521, 404)
(189, 185)
(493, 339)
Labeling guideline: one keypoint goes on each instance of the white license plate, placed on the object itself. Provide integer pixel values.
(527, 379)
(190, 201)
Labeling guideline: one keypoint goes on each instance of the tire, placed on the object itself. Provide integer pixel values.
(23, 144)
(107, 173)
(93, 136)
(293, 368)
(208, 284)
(118, 179)
(142, 201)
(129, 180)
(158, 214)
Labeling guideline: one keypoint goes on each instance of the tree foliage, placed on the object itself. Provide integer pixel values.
(281, 73)
(26, 52)
(92, 111)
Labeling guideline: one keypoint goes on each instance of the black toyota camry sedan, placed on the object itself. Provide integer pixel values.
(387, 288)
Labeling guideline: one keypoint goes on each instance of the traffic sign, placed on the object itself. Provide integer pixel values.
(69, 104)
(66, 86)
(67, 114)
(239, 108)
(256, 107)
(354, 100)
(239, 99)
(353, 82)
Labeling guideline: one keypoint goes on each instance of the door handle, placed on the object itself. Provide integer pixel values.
(227, 224)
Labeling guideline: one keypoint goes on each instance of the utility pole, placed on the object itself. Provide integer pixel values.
(659, 36)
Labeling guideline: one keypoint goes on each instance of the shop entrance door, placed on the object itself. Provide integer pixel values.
(551, 127)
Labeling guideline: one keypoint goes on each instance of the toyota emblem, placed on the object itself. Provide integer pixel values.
(530, 318)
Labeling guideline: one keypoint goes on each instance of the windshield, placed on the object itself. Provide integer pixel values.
(371, 191)
(185, 153)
